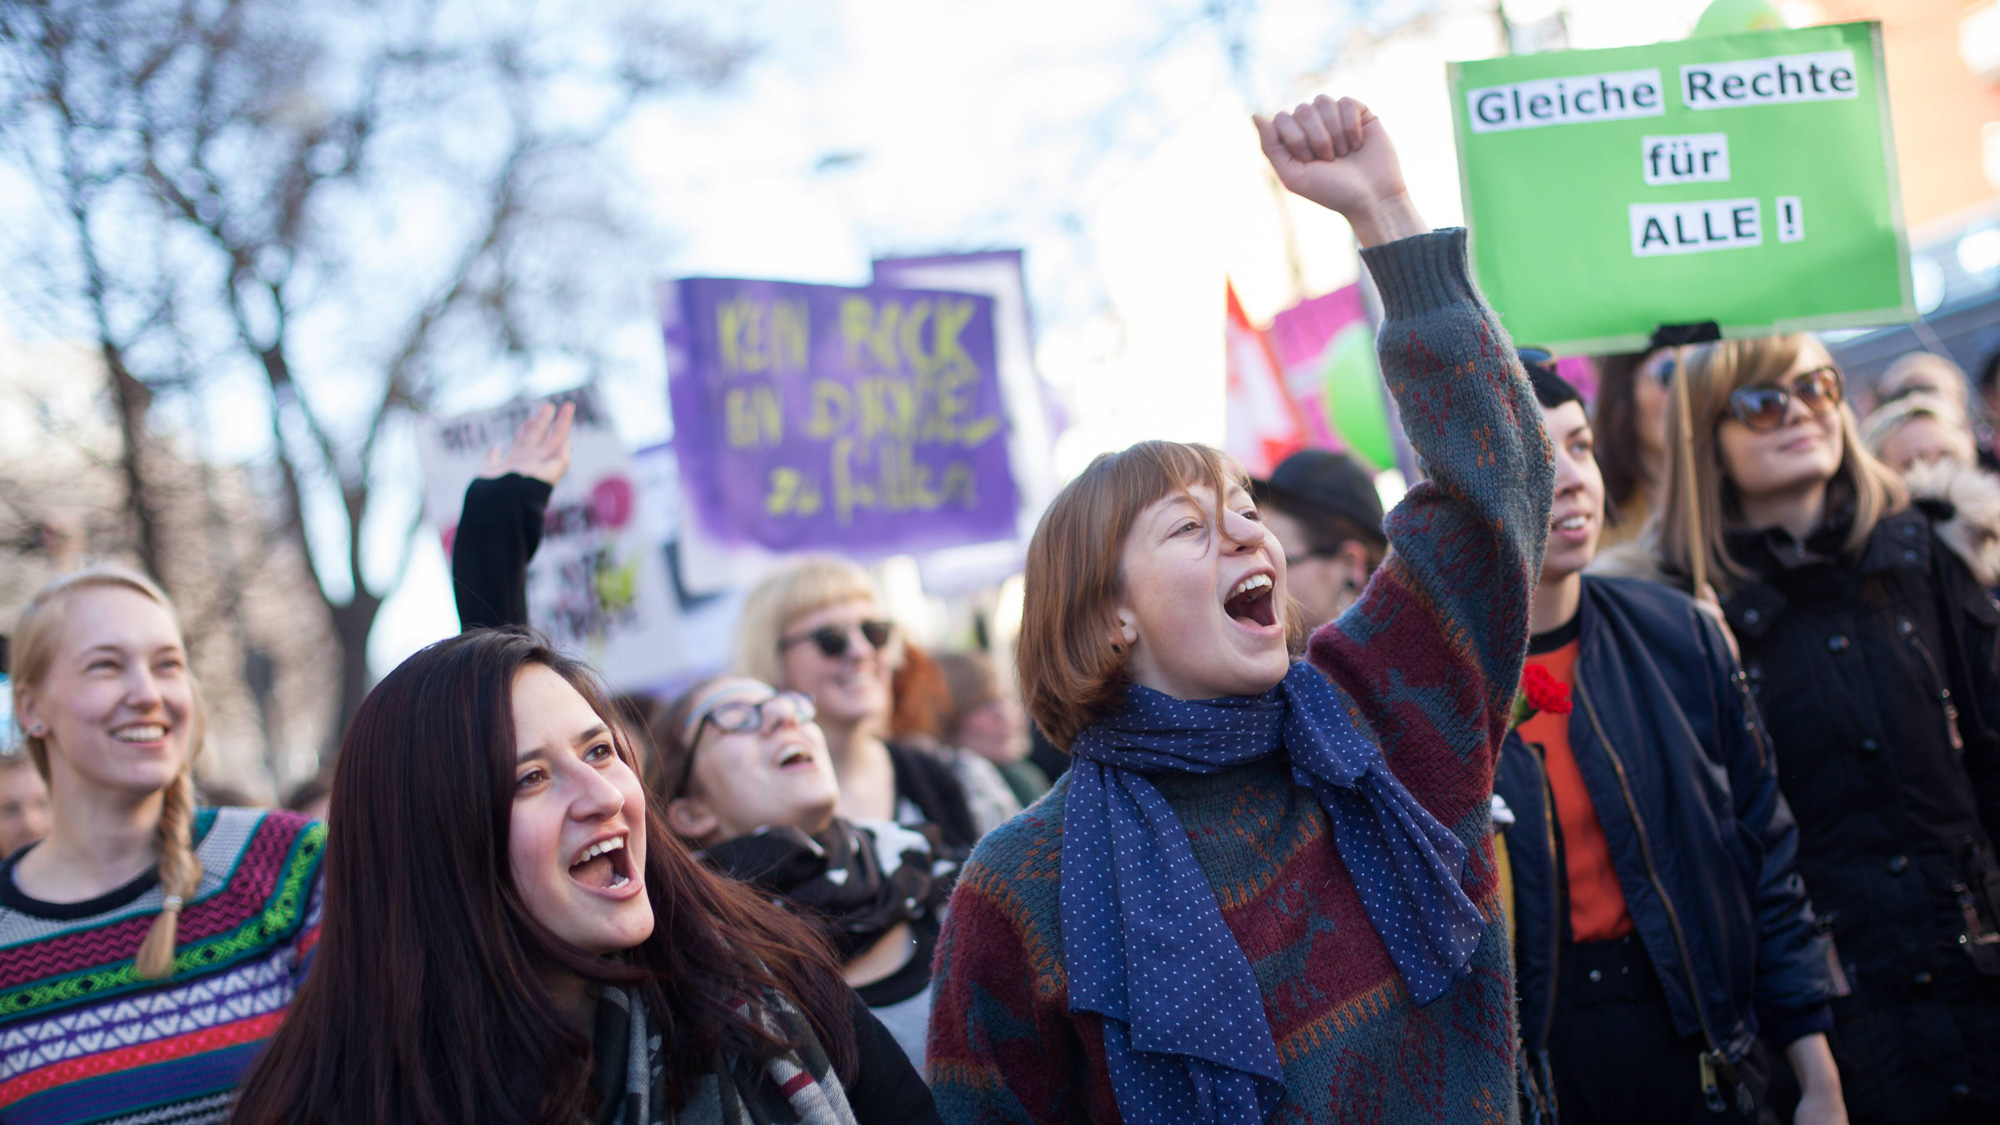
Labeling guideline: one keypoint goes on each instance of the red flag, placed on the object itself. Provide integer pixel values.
(1261, 423)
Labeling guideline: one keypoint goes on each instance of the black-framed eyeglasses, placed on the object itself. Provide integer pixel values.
(835, 640)
(1763, 409)
(742, 716)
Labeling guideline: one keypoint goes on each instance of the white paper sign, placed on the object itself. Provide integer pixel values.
(598, 584)
(1689, 158)
(1693, 228)
(1566, 101)
(1823, 76)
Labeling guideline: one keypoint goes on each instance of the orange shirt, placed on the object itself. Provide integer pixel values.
(1596, 902)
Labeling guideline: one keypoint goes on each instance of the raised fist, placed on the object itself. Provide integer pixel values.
(1338, 155)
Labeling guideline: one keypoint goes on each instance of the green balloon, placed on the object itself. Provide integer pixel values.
(1726, 17)
(1354, 396)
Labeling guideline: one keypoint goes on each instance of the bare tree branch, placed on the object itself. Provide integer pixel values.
(255, 142)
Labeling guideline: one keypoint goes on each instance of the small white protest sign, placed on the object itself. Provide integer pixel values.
(598, 584)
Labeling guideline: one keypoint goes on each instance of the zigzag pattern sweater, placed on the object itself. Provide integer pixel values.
(84, 1039)
(1427, 661)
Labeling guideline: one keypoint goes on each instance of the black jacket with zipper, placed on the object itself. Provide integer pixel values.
(1897, 790)
(1685, 787)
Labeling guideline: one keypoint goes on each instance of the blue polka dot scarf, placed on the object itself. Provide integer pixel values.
(1185, 1035)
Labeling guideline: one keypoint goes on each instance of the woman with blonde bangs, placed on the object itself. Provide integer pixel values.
(817, 627)
(1873, 653)
(147, 948)
(1922, 437)
(1262, 890)
(1918, 427)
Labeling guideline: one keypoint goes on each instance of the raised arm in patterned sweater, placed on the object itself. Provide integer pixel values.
(1431, 653)
(1004, 1045)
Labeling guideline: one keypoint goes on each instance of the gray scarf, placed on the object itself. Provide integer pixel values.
(795, 1088)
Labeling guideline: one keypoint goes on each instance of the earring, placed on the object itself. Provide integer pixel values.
(38, 730)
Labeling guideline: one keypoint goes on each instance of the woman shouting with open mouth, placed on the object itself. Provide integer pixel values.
(1265, 887)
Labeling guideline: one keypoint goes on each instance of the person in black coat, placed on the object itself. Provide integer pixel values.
(1659, 919)
(1875, 658)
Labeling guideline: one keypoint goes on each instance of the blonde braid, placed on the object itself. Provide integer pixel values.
(180, 875)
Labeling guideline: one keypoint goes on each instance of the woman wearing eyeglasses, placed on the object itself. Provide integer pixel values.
(745, 777)
(1872, 652)
(817, 628)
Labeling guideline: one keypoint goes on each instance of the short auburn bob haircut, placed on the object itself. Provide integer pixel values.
(1072, 671)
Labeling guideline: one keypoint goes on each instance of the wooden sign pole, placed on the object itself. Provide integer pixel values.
(1697, 541)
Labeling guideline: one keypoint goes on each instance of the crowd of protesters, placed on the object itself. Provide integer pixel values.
(1641, 765)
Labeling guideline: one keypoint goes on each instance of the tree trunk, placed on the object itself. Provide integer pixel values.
(131, 398)
(351, 625)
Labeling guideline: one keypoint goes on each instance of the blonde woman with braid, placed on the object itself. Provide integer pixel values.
(147, 948)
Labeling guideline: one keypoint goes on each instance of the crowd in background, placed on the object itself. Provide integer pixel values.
(1736, 863)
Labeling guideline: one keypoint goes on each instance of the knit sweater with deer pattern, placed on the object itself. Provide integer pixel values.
(1427, 661)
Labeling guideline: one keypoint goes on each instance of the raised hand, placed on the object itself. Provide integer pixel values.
(540, 449)
(1338, 155)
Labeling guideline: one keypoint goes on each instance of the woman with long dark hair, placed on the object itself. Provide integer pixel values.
(1630, 420)
(512, 936)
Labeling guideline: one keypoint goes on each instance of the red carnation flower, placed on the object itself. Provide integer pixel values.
(1544, 692)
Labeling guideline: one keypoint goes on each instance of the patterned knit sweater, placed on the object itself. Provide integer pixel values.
(84, 1039)
(1427, 662)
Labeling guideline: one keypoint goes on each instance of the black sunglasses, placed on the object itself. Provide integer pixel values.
(834, 640)
(1763, 409)
(739, 717)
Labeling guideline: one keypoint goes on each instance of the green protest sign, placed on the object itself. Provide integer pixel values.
(1746, 179)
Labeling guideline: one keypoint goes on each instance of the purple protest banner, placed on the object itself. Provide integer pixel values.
(816, 417)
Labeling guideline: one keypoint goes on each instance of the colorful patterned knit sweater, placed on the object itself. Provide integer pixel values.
(84, 1039)
(1427, 661)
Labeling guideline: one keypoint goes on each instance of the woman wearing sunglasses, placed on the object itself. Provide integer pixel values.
(1872, 651)
(817, 627)
(747, 779)
(513, 936)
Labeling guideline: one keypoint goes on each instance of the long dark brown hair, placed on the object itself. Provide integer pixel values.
(1620, 454)
(425, 1001)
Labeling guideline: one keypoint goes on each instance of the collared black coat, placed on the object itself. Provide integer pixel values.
(1897, 794)
(1684, 785)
